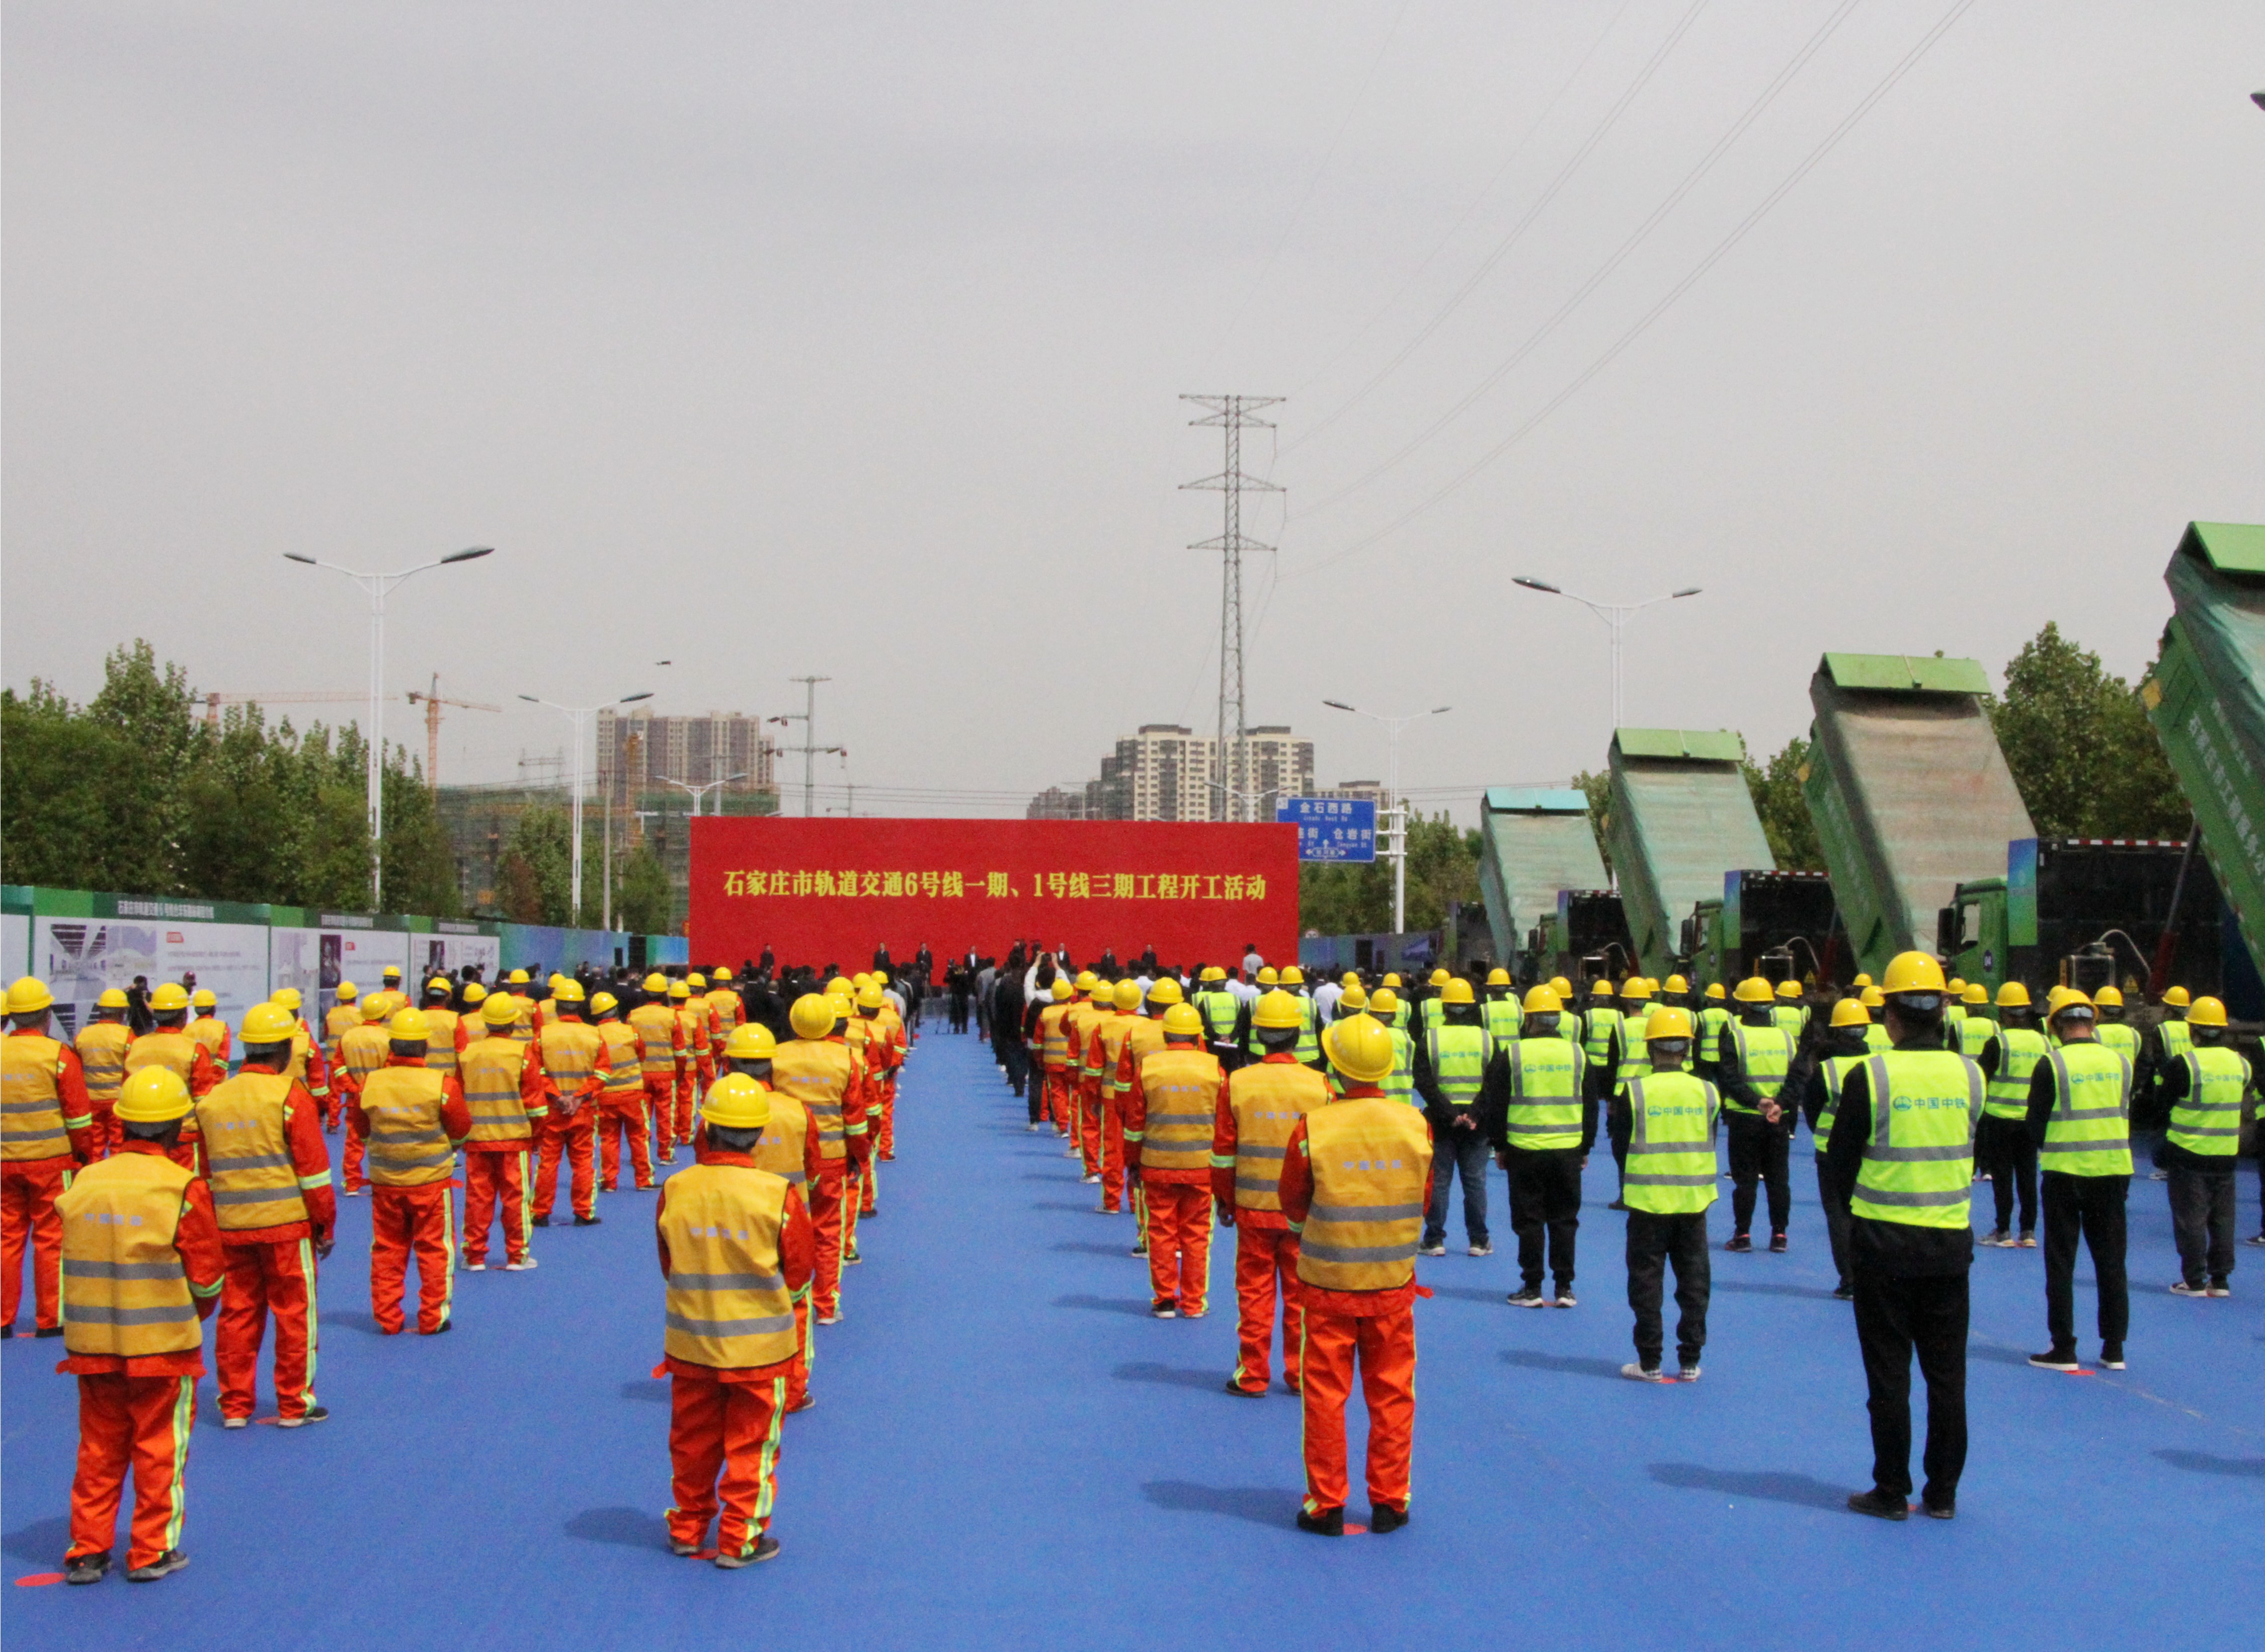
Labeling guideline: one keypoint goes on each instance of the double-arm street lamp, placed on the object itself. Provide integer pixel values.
(574, 714)
(1614, 615)
(1397, 840)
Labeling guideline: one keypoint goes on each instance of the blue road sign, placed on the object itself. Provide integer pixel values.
(1331, 828)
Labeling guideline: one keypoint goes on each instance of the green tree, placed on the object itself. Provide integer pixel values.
(1598, 788)
(1776, 790)
(1443, 866)
(643, 901)
(2079, 746)
(537, 872)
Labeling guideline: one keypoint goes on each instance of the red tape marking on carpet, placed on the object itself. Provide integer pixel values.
(38, 1580)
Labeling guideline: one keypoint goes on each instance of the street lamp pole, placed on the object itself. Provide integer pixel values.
(1616, 616)
(375, 587)
(698, 792)
(1397, 838)
(574, 714)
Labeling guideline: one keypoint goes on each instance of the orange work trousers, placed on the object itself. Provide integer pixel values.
(356, 1150)
(275, 1279)
(797, 1379)
(1057, 1098)
(491, 1178)
(885, 1130)
(617, 1120)
(1385, 1346)
(825, 1202)
(1179, 1244)
(576, 1138)
(28, 1190)
(108, 1135)
(1267, 1270)
(402, 1219)
(660, 1102)
(137, 1424)
(723, 1449)
(689, 1089)
(1086, 1096)
(1112, 1155)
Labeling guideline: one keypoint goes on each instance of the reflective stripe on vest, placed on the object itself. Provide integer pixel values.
(1765, 1056)
(441, 1048)
(1599, 1020)
(1053, 1040)
(2175, 1038)
(570, 1053)
(1459, 1062)
(1792, 1020)
(655, 1025)
(1635, 1052)
(409, 1144)
(2208, 1119)
(1544, 1112)
(1217, 1008)
(1106, 1049)
(779, 1149)
(125, 1292)
(728, 1304)
(1267, 1100)
(818, 1073)
(2089, 1130)
(1918, 1165)
(1181, 1089)
(1836, 1069)
(32, 1123)
(102, 1057)
(2120, 1037)
(1146, 1039)
(364, 1049)
(247, 1155)
(492, 1073)
(164, 1048)
(1712, 1020)
(1974, 1035)
(1671, 1157)
(1309, 1039)
(1400, 1083)
(1505, 1019)
(625, 1063)
(2020, 1049)
(1371, 1160)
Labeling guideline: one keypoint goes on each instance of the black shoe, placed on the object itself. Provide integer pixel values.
(6, 1331)
(1328, 1525)
(1617, 1205)
(86, 1569)
(1844, 1292)
(1384, 1518)
(164, 1566)
(539, 1222)
(48, 1330)
(2111, 1356)
(588, 1221)
(1241, 1392)
(766, 1548)
(313, 1414)
(1526, 1296)
(1939, 1510)
(2057, 1359)
(1880, 1505)
(448, 1324)
(1739, 1242)
(1777, 1243)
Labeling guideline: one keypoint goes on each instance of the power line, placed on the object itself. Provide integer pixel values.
(1231, 414)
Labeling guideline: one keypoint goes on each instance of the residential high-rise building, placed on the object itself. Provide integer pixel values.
(1057, 803)
(1166, 771)
(638, 752)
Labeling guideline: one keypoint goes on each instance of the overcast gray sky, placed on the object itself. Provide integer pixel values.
(847, 339)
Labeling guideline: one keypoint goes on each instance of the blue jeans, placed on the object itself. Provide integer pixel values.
(1463, 1150)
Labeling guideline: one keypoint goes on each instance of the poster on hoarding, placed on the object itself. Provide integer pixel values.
(79, 956)
(452, 947)
(314, 960)
(816, 892)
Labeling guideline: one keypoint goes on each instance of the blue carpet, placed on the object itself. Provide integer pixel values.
(1007, 1453)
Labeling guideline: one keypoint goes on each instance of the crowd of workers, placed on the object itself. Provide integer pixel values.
(1196, 1094)
(162, 1176)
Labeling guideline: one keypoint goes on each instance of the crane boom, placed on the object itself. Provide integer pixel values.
(435, 700)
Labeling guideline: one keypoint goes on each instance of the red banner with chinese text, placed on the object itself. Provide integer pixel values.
(816, 892)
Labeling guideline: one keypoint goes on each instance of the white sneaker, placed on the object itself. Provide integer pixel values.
(476, 1267)
(1437, 1249)
(521, 1266)
(1686, 1373)
(1034, 1129)
(1634, 1373)
(235, 1423)
(1089, 1181)
(1481, 1249)
(2183, 1288)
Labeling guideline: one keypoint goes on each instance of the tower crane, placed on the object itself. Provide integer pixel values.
(434, 701)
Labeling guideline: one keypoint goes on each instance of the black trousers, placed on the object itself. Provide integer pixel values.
(2094, 1207)
(1653, 1241)
(1463, 1153)
(1836, 1221)
(2201, 1221)
(1545, 1202)
(1757, 1153)
(1017, 1061)
(1894, 1319)
(2008, 1153)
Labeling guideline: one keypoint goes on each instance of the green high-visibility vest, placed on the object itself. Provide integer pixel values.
(1636, 1053)
(1544, 1093)
(2020, 1049)
(1765, 1055)
(1918, 1164)
(1219, 1009)
(1671, 1157)
(1459, 1062)
(1953, 1014)
(1400, 1015)
(1309, 1039)
(1875, 1038)
(1712, 1020)
(1400, 1083)
(2120, 1036)
(1792, 1020)
(2176, 1039)
(1836, 1069)
(1600, 1022)
(2090, 1131)
(1974, 1035)
(1435, 1008)
(1571, 1027)
(2208, 1119)
(1504, 1017)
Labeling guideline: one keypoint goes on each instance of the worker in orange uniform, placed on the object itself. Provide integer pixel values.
(101, 1049)
(788, 1148)
(1053, 1058)
(576, 1065)
(449, 1033)
(1143, 1041)
(527, 1014)
(269, 1171)
(142, 1253)
(1258, 1106)
(661, 1055)
(725, 1012)
(1093, 1007)
(817, 1068)
(1354, 1178)
(168, 1045)
(47, 1133)
(621, 1105)
(207, 1029)
(1169, 1114)
(341, 1018)
(697, 1070)
(737, 1247)
(883, 1055)
(504, 1090)
(1105, 1054)
(892, 1027)
(363, 1049)
(309, 1064)
(414, 1118)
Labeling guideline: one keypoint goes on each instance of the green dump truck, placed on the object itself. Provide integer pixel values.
(1909, 792)
(1533, 841)
(1769, 923)
(1680, 817)
(2088, 913)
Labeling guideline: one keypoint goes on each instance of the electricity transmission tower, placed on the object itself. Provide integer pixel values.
(1231, 414)
(809, 749)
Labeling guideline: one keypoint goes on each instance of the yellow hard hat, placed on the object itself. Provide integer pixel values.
(1957, 987)
(679, 991)
(1126, 995)
(1636, 987)
(29, 996)
(1393, 980)
(869, 996)
(391, 973)
(1861, 981)
(1669, 1020)
(1601, 988)
(811, 1017)
(843, 1008)
(1563, 987)
(2176, 998)
(603, 1003)
(568, 991)
(1354, 998)
(736, 1101)
(440, 984)
(203, 998)
(153, 1095)
(1457, 991)
(1497, 978)
(750, 1041)
(376, 1008)
(552, 980)
(881, 978)
(1101, 991)
(474, 993)
(1850, 1011)
(2109, 997)
(1166, 991)
(842, 985)
(863, 977)
(1438, 978)
(1063, 990)
(1754, 990)
(1543, 1000)
(1359, 1047)
(269, 1023)
(1181, 1021)
(697, 981)
(111, 998)
(1871, 998)
(1267, 976)
(2068, 998)
(518, 977)
(346, 990)
(1350, 977)
(1914, 972)
(1384, 1002)
(1292, 976)
(1677, 984)
(1976, 995)
(1213, 972)
(409, 1026)
(500, 1009)
(1276, 1010)
(1714, 990)
(1084, 982)
(2206, 1012)
(1790, 988)
(2014, 994)
(286, 996)
(656, 982)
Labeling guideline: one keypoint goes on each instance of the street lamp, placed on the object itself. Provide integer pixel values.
(1614, 615)
(574, 714)
(375, 585)
(1397, 842)
(698, 792)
